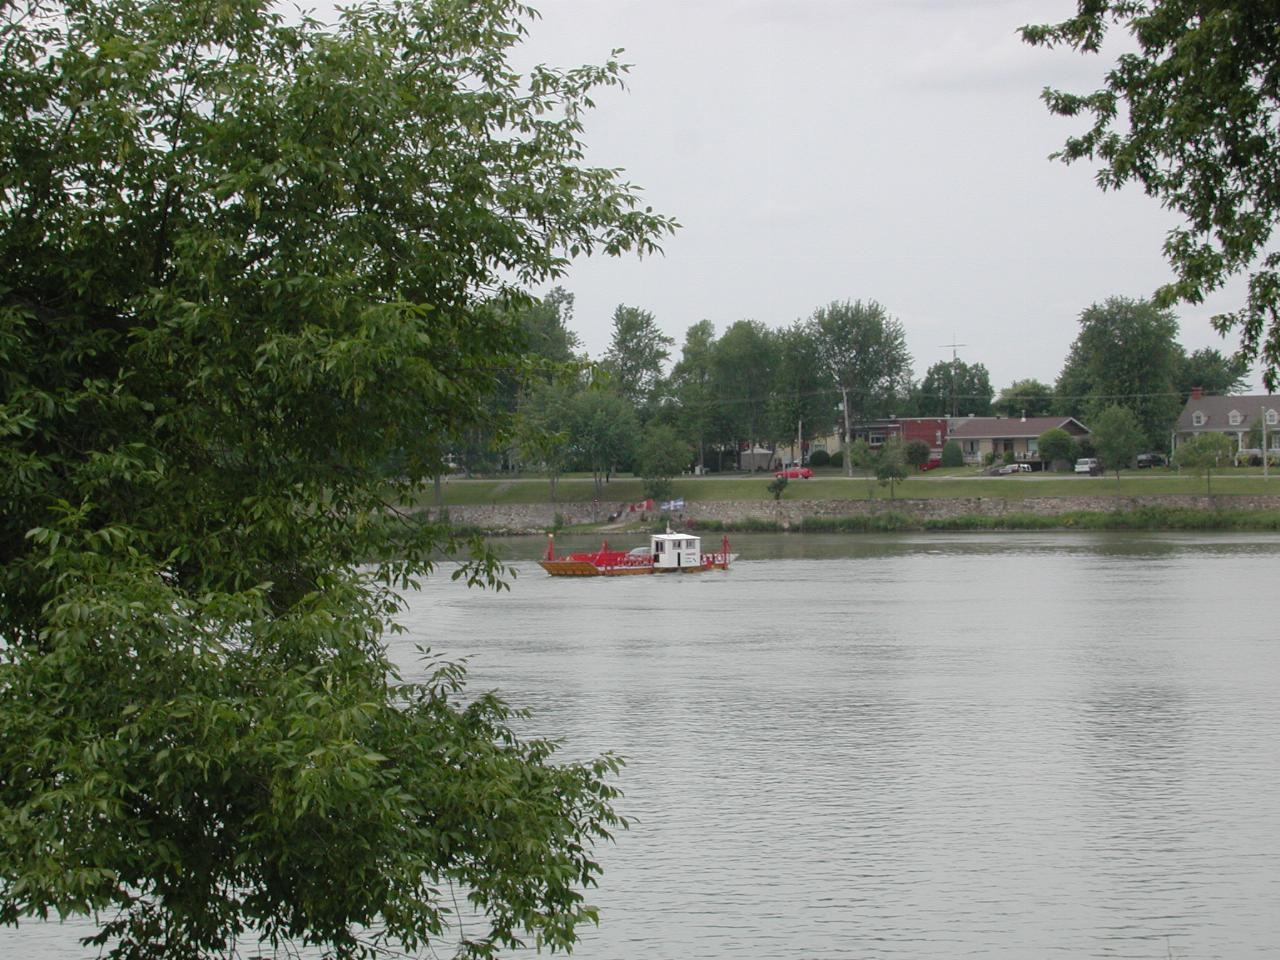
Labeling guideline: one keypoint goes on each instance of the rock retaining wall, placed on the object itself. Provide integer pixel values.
(537, 517)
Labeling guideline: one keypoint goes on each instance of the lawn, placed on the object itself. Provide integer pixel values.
(830, 485)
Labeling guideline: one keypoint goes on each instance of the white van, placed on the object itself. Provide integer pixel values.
(1088, 465)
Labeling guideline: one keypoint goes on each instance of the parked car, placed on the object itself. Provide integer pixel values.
(1014, 468)
(1146, 460)
(1088, 465)
(933, 463)
(795, 473)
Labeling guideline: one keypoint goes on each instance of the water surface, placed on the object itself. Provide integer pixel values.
(949, 745)
(990, 745)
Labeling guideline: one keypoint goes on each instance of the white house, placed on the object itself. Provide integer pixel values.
(1233, 416)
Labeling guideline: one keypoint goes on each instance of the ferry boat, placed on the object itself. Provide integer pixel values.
(667, 553)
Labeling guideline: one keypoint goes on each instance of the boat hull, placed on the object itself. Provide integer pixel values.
(572, 567)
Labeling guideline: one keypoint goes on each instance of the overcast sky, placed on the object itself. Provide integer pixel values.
(890, 150)
(895, 150)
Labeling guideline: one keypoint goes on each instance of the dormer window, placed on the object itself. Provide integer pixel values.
(1234, 418)
(1272, 418)
(1198, 418)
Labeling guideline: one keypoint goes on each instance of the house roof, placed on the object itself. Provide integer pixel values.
(1217, 412)
(983, 428)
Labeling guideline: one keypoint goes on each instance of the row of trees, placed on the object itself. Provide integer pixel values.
(750, 386)
(757, 386)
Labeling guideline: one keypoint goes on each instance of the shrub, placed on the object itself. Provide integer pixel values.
(916, 453)
(952, 455)
(1056, 446)
(819, 458)
(1008, 457)
(658, 488)
(836, 459)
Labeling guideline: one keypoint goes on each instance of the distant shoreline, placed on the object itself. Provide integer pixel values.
(1176, 512)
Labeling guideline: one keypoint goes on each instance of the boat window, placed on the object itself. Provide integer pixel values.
(659, 546)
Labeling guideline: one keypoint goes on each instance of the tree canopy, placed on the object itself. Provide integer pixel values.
(693, 387)
(1055, 444)
(864, 352)
(1208, 370)
(1191, 115)
(1117, 436)
(1202, 453)
(637, 352)
(660, 455)
(1126, 353)
(890, 464)
(255, 280)
(1028, 397)
(952, 388)
(743, 362)
(802, 398)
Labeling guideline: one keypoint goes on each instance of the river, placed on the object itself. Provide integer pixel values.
(990, 745)
(916, 746)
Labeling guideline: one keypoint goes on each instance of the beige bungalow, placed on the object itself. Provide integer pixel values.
(996, 436)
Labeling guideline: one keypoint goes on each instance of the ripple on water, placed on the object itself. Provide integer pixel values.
(988, 746)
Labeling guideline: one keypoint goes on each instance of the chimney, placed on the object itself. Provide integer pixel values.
(1197, 393)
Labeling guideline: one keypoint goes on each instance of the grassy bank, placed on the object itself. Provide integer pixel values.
(956, 484)
(1146, 518)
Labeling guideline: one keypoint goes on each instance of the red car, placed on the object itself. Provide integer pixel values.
(795, 473)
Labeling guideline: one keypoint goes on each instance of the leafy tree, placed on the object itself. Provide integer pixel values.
(693, 388)
(1074, 386)
(891, 464)
(953, 386)
(542, 429)
(801, 403)
(952, 454)
(743, 363)
(602, 427)
(545, 327)
(1030, 397)
(245, 265)
(860, 455)
(1201, 99)
(865, 354)
(1212, 372)
(547, 347)
(1202, 453)
(636, 355)
(1056, 444)
(777, 487)
(1118, 437)
(916, 453)
(660, 455)
(1126, 353)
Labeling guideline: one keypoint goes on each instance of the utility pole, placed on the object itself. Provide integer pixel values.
(1262, 412)
(951, 389)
